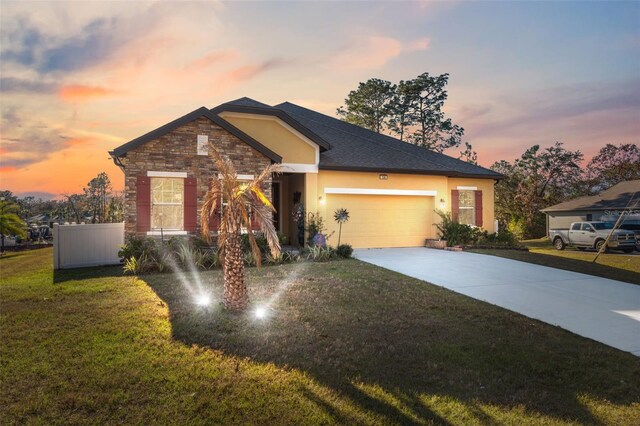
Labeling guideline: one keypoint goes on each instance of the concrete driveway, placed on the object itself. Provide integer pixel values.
(604, 310)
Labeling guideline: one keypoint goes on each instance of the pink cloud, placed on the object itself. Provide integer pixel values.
(419, 44)
(213, 58)
(375, 51)
(247, 72)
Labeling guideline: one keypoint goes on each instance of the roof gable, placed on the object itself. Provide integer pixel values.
(200, 112)
(250, 106)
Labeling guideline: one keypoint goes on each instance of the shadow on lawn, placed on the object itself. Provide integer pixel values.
(396, 347)
(78, 274)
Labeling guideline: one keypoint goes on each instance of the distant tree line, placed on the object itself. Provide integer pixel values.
(542, 177)
(97, 203)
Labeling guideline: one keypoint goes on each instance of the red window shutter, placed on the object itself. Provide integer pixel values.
(455, 205)
(190, 204)
(478, 208)
(216, 217)
(254, 222)
(143, 204)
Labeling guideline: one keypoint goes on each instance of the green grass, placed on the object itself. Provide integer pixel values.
(614, 265)
(346, 342)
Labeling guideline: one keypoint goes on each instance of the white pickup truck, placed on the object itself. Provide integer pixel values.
(585, 235)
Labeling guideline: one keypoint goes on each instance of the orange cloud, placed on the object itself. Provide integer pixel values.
(81, 93)
(7, 169)
(77, 141)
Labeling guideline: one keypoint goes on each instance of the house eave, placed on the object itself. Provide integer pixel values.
(407, 171)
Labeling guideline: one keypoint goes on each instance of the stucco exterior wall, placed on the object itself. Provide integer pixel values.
(177, 152)
(414, 216)
(275, 135)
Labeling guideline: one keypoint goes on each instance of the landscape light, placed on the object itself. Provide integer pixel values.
(261, 312)
(203, 299)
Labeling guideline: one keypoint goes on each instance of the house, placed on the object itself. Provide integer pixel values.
(605, 206)
(391, 188)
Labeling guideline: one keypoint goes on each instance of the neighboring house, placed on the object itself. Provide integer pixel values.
(606, 206)
(391, 188)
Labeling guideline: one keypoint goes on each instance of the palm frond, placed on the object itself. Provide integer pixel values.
(264, 220)
(263, 198)
(255, 250)
(209, 206)
(10, 222)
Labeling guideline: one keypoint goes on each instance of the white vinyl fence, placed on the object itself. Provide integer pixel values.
(77, 246)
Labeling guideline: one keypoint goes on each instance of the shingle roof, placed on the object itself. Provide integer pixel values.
(617, 197)
(359, 149)
(343, 146)
(248, 102)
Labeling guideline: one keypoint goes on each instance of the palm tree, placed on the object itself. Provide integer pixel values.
(244, 203)
(10, 222)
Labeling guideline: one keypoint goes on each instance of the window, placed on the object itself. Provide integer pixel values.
(589, 217)
(203, 144)
(167, 203)
(586, 227)
(467, 208)
(603, 225)
(575, 226)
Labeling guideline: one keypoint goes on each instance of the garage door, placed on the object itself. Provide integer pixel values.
(383, 220)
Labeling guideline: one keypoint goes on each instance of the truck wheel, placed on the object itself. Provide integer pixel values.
(599, 244)
(558, 244)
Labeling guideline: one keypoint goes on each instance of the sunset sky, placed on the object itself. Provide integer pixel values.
(80, 78)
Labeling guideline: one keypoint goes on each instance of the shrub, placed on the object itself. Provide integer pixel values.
(315, 225)
(344, 250)
(211, 259)
(261, 241)
(457, 233)
(503, 238)
(249, 260)
(320, 254)
(135, 266)
(199, 243)
(137, 247)
(163, 261)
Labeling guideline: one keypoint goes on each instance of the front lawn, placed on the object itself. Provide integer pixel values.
(345, 342)
(614, 265)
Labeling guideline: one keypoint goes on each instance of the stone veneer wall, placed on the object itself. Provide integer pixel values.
(177, 152)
